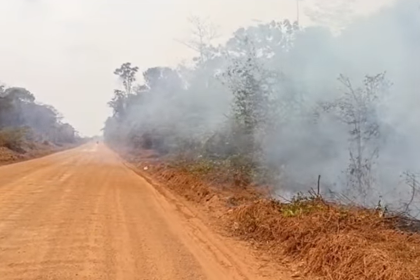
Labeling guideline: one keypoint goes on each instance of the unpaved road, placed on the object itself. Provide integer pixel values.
(82, 214)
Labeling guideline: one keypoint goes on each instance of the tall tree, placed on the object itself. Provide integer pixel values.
(127, 74)
(357, 108)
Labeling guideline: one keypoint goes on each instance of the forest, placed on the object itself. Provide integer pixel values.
(326, 118)
(27, 125)
(282, 104)
(285, 149)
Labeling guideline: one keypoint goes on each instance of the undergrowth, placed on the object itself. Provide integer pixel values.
(332, 240)
(13, 138)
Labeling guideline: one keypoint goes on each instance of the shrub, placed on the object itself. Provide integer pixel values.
(13, 138)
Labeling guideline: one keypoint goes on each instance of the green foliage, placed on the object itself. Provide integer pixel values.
(21, 117)
(127, 75)
(13, 138)
(248, 105)
(301, 204)
(247, 121)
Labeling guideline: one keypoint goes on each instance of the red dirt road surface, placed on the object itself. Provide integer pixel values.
(82, 214)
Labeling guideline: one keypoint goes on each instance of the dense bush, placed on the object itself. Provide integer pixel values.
(23, 119)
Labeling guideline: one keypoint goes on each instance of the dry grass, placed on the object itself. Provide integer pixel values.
(7, 155)
(193, 187)
(331, 241)
(340, 243)
(25, 150)
(13, 138)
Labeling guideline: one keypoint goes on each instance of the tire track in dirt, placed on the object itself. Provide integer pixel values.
(82, 214)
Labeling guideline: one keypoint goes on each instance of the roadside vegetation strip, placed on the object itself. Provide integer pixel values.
(333, 241)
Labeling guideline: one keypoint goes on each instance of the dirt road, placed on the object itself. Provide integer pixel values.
(82, 214)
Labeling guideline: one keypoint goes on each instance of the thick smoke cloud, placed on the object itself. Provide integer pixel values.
(306, 63)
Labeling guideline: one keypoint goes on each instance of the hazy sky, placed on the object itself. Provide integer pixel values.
(65, 51)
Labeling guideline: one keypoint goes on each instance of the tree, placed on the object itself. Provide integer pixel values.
(162, 79)
(249, 84)
(357, 108)
(203, 34)
(118, 103)
(18, 94)
(127, 74)
(12, 101)
(22, 118)
(268, 39)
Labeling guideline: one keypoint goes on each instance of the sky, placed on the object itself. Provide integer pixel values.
(65, 51)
